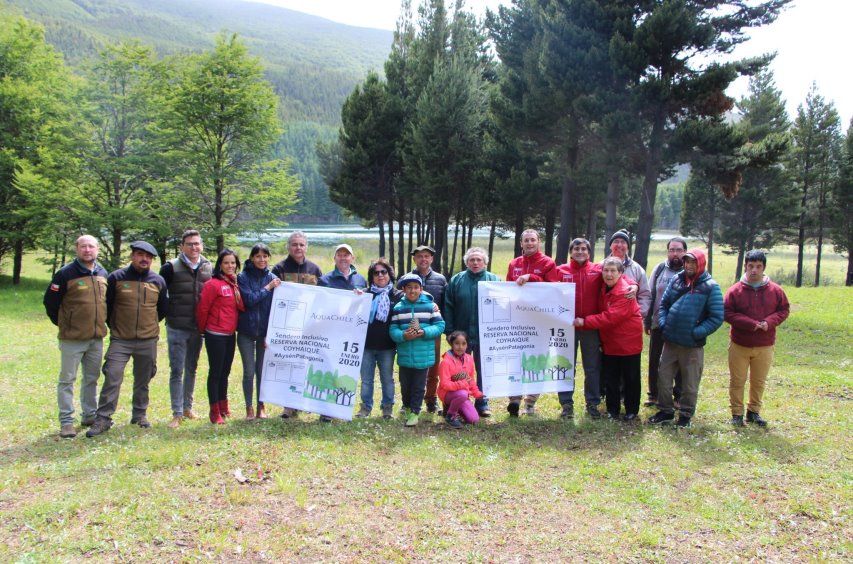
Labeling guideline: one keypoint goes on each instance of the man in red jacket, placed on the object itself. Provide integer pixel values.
(754, 307)
(531, 266)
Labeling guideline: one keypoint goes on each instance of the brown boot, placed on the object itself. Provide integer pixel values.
(250, 413)
(215, 415)
(175, 422)
(262, 412)
(223, 408)
(190, 414)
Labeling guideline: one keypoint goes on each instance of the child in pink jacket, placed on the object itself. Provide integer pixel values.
(458, 382)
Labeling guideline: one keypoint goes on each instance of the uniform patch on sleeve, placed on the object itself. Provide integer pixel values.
(54, 287)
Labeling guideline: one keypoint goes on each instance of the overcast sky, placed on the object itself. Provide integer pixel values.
(809, 38)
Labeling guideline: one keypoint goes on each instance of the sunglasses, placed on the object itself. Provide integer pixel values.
(380, 272)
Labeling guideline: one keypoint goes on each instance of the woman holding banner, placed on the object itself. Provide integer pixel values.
(379, 349)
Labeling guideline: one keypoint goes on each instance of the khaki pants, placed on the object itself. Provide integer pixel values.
(751, 363)
(144, 355)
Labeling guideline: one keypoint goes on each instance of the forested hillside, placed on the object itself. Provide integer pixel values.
(312, 63)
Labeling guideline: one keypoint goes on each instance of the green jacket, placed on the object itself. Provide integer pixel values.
(460, 303)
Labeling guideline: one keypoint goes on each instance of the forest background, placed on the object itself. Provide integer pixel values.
(562, 117)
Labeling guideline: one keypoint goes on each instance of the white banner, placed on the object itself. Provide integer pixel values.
(315, 343)
(527, 340)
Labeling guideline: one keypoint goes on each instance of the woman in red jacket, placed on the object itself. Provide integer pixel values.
(217, 314)
(621, 327)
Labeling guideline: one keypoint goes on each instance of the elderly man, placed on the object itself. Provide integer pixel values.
(298, 269)
(661, 275)
(136, 303)
(344, 276)
(691, 309)
(184, 276)
(76, 302)
(434, 284)
(460, 310)
(754, 307)
(531, 266)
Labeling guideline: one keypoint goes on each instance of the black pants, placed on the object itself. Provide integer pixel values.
(655, 348)
(220, 356)
(622, 372)
(413, 387)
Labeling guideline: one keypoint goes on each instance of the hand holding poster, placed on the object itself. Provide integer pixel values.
(315, 342)
(527, 340)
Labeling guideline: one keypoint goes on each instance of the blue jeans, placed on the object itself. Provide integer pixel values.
(252, 354)
(184, 349)
(384, 359)
(590, 344)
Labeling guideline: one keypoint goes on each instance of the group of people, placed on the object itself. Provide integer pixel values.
(225, 308)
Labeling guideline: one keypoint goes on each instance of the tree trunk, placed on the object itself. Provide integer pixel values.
(610, 208)
(741, 252)
(801, 236)
(650, 190)
(492, 232)
(592, 229)
(820, 223)
(18, 262)
(380, 221)
(519, 228)
(567, 205)
(550, 227)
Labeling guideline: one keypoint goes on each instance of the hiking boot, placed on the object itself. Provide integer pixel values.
(412, 419)
(387, 411)
(512, 409)
(683, 421)
(630, 418)
(87, 422)
(530, 410)
(431, 405)
(454, 421)
(190, 414)
(660, 417)
(67, 431)
(651, 403)
(363, 412)
(612, 416)
(568, 411)
(485, 412)
(142, 421)
(752, 417)
(101, 425)
(592, 411)
(175, 422)
(737, 421)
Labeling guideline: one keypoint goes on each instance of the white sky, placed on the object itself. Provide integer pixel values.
(809, 37)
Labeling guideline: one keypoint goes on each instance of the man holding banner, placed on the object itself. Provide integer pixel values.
(531, 266)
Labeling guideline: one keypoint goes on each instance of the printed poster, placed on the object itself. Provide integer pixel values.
(527, 340)
(315, 343)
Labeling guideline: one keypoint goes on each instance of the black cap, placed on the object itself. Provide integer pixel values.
(420, 248)
(621, 234)
(143, 246)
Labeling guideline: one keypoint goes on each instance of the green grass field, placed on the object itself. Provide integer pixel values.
(532, 489)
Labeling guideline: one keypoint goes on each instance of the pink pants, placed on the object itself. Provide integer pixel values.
(457, 403)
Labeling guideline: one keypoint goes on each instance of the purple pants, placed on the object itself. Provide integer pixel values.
(457, 403)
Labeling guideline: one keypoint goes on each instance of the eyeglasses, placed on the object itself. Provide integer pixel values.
(380, 272)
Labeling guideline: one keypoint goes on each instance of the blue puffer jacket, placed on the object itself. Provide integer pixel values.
(420, 352)
(257, 299)
(689, 312)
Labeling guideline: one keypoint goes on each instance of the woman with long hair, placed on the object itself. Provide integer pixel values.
(217, 315)
(257, 284)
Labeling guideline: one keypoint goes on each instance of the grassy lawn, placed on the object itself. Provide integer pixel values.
(532, 489)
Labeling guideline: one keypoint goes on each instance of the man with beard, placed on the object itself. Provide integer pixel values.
(661, 275)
